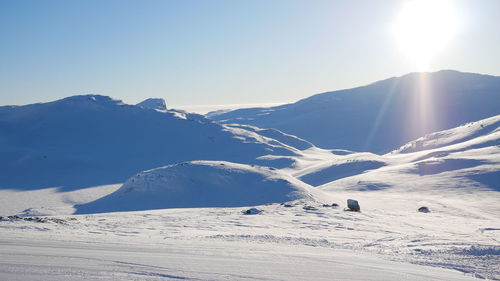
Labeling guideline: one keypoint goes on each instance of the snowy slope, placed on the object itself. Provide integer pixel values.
(384, 115)
(85, 141)
(204, 184)
(467, 156)
(302, 240)
(339, 167)
(273, 135)
(485, 131)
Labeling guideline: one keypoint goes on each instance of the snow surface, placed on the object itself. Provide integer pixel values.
(86, 141)
(204, 184)
(281, 243)
(384, 115)
(33, 259)
(154, 103)
(205, 235)
(486, 128)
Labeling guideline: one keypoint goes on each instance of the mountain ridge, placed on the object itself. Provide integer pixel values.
(383, 115)
(91, 140)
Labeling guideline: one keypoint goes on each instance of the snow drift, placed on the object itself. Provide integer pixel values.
(203, 184)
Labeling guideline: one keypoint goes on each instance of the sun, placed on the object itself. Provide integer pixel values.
(424, 28)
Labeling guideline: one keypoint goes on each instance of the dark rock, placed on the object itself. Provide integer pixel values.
(424, 209)
(252, 211)
(309, 208)
(36, 219)
(288, 205)
(353, 205)
(333, 205)
(56, 220)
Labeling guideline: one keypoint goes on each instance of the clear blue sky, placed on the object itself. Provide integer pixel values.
(218, 52)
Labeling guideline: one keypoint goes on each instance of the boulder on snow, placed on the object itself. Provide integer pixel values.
(424, 209)
(333, 205)
(252, 211)
(309, 208)
(353, 205)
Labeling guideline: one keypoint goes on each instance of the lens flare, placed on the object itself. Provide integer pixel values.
(424, 28)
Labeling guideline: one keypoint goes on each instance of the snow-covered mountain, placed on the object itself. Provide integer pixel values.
(154, 103)
(463, 158)
(92, 140)
(384, 115)
(454, 173)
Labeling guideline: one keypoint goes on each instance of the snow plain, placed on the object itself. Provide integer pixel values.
(281, 243)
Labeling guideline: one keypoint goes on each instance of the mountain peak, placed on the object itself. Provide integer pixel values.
(153, 103)
(91, 98)
(92, 101)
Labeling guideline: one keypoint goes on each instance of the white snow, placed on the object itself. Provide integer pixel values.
(33, 259)
(281, 243)
(204, 184)
(86, 141)
(52, 168)
(383, 115)
(480, 132)
(154, 103)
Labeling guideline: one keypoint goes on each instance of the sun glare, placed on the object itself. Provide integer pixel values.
(424, 28)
